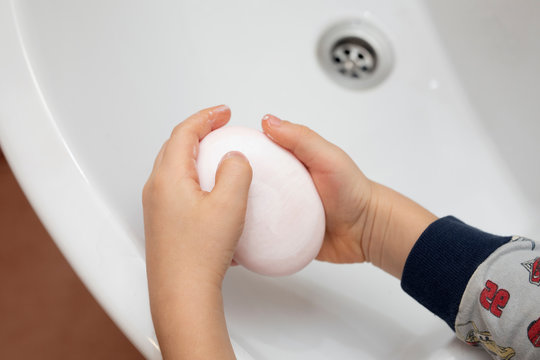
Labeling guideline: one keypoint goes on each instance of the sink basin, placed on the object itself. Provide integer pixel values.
(89, 90)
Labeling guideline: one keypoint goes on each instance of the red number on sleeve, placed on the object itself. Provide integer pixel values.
(500, 301)
(487, 295)
(493, 299)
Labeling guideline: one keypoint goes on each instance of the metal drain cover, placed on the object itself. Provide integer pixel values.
(355, 54)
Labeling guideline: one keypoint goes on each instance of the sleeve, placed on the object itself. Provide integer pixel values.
(485, 287)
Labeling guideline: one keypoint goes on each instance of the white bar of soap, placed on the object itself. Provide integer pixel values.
(285, 221)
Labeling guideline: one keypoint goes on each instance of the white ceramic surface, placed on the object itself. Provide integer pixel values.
(89, 90)
(285, 223)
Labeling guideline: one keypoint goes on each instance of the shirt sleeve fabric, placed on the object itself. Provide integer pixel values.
(485, 287)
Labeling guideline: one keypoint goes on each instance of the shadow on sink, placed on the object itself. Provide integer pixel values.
(300, 316)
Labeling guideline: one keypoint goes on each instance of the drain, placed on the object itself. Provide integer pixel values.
(353, 57)
(355, 54)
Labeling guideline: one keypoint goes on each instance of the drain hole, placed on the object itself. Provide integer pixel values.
(355, 54)
(354, 57)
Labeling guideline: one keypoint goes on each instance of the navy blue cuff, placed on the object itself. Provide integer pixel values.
(441, 263)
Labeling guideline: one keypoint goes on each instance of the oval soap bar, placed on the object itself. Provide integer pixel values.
(285, 222)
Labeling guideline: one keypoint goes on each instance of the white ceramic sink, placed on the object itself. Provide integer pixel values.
(89, 90)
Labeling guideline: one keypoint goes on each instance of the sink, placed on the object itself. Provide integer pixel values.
(90, 90)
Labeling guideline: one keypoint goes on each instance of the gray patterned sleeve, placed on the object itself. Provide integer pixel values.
(500, 308)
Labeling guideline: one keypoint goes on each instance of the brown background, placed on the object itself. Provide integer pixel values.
(45, 310)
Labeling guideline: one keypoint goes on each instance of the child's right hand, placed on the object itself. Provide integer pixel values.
(365, 221)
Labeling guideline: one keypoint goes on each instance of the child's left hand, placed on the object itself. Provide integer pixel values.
(191, 236)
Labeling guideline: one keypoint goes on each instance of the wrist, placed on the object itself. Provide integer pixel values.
(189, 321)
(375, 219)
(394, 224)
(169, 269)
(182, 286)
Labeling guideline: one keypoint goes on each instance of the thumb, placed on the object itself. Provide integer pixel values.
(233, 178)
(308, 146)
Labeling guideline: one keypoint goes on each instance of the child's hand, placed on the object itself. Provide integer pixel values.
(343, 188)
(191, 237)
(365, 221)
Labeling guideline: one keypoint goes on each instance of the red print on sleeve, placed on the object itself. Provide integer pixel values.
(535, 271)
(533, 331)
(494, 299)
(533, 267)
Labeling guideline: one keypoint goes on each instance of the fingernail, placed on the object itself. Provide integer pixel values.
(272, 120)
(217, 110)
(231, 154)
(221, 108)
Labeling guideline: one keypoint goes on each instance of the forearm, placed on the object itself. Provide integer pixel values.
(190, 322)
(186, 304)
(393, 225)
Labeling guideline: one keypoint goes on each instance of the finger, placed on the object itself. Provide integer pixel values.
(159, 158)
(233, 178)
(180, 154)
(234, 263)
(308, 146)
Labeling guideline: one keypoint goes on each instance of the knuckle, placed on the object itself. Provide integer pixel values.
(146, 188)
(159, 184)
(303, 134)
(177, 130)
(145, 193)
(304, 131)
(154, 189)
